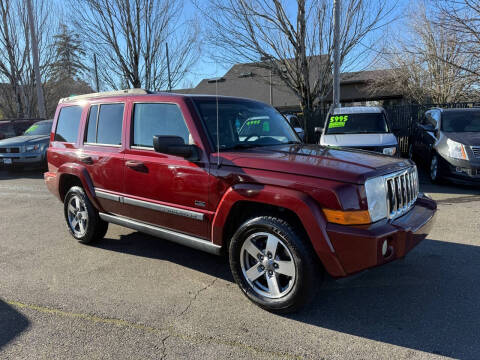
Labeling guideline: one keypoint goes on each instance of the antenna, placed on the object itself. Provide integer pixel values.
(218, 132)
(216, 80)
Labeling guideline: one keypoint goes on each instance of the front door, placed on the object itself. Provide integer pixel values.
(160, 189)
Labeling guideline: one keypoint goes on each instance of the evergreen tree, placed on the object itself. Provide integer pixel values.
(69, 55)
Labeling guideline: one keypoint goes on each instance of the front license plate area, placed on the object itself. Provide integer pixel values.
(7, 161)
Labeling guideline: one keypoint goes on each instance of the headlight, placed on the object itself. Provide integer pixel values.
(390, 151)
(456, 150)
(376, 198)
(30, 148)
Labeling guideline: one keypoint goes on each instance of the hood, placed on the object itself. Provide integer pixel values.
(25, 140)
(343, 165)
(466, 138)
(352, 140)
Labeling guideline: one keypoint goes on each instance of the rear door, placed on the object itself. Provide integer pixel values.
(103, 153)
(161, 189)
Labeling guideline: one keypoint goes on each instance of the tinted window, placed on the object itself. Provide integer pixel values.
(360, 123)
(68, 123)
(91, 136)
(109, 126)
(157, 119)
(41, 128)
(461, 121)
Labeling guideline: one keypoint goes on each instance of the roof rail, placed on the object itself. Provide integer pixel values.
(107, 93)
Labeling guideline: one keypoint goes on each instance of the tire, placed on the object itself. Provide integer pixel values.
(434, 169)
(82, 219)
(292, 266)
(410, 151)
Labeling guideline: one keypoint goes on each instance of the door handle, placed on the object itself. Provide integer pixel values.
(136, 165)
(86, 159)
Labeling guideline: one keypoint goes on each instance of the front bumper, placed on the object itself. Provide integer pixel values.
(360, 247)
(21, 159)
(463, 171)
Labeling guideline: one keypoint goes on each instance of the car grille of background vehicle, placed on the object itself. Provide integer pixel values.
(476, 151)
(402, 192)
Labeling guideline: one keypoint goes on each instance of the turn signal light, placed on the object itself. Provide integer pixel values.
(360, 217)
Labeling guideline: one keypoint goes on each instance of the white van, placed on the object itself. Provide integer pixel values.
(361, 127)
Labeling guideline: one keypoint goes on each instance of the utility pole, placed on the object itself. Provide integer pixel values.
(168, 68)
(96, 72)
(336, 53)
(36, 66)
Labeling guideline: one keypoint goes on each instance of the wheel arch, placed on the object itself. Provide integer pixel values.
(244, 201)
(76, 175)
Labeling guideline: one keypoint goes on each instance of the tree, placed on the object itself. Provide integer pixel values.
(427, 62)
(69, 55)
(295, 42)
(462, 18)
(18, 98)
(129, 36)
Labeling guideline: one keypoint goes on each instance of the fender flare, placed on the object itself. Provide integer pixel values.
(302, 205)
(82, 174)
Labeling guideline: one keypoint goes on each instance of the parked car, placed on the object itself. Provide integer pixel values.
(447, 142)
(293, 120)
(11, 128)
(360, 127)
(176, 167)
(28, 149)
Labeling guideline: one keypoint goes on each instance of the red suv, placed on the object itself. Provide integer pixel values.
(230, 175)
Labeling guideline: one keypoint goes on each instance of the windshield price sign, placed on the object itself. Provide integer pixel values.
(337, 121)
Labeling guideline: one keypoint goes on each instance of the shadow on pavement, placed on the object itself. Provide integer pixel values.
(147, 246)
(12, 323)
(429, 302)
(26, 173)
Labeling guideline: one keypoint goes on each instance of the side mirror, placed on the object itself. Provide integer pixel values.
(174, 145)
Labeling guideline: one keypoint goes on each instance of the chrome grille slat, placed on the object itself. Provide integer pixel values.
(476, 151)
(402, 191)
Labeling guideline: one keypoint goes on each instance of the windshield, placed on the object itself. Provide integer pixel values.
(42, 128)
(461, 121)
(244, 123)
(372, 123)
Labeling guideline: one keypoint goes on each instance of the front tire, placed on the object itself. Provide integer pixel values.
(273, 265)
(434, 172)
(82, 219)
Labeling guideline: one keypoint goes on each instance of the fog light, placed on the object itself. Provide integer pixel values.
(384, 248)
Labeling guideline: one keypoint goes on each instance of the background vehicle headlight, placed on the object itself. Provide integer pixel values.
(390, 151)
(376, 198)
(30, 148)
(456, 150)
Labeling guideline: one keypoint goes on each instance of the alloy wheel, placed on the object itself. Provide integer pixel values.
(77, 216)
(267, 265)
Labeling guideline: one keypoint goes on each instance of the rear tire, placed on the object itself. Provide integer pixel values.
(82, 219)
(273, 265)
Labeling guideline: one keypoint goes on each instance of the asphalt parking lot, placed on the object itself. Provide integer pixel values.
(137, 297)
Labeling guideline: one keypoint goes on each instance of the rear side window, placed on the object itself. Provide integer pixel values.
(157, 119)
(105, 124)
(68, 123)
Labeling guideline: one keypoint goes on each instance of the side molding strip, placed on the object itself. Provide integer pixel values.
(164, 208)
(105, 195)
(166, 234)
(150, 205)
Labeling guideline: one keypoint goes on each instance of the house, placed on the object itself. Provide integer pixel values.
(257, 81)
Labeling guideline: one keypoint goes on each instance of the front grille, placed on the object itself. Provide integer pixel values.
(476, 151)
(402, 191)
(13, 150)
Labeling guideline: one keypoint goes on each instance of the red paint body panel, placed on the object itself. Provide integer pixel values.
(301, 178)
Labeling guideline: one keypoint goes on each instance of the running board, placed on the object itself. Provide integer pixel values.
(160, 232)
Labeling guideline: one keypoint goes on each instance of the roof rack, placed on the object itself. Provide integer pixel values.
(107, 93)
